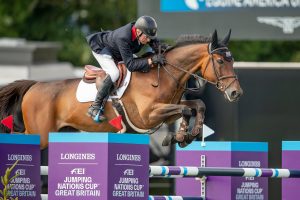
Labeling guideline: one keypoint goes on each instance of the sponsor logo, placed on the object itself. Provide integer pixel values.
(288, 24)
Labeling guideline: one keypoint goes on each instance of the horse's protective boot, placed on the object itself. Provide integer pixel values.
(96, 110)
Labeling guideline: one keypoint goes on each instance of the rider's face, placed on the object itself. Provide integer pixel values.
(144, 39)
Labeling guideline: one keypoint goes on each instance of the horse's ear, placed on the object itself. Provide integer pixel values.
(227, 37)
(214, 41)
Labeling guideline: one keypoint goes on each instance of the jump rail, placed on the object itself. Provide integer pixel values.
(176, 171)
(184, 171)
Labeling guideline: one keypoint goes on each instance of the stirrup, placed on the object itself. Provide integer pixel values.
(99, 117)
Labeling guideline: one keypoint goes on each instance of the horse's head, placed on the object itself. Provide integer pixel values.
(218, 69)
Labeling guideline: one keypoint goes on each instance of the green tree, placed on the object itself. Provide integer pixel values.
(65, 21)
(266, 51)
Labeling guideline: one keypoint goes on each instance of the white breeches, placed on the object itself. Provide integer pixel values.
(108, 65)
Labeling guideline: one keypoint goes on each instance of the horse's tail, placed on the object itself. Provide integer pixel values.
(11, 97)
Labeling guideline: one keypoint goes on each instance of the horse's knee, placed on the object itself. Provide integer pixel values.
(186, 111)
(200, 106)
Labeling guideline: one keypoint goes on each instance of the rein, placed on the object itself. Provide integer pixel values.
(197, 77)
(218, 83)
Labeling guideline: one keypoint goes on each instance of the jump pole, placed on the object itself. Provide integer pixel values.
(186, 171)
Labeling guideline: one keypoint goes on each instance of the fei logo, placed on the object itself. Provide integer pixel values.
(78, 171)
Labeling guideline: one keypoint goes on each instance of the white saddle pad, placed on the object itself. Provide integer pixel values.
(87, 92)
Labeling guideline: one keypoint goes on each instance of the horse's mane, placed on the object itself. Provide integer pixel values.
(188, 39)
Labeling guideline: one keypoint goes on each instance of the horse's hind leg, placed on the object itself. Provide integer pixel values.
(41, 129)
(39, 119)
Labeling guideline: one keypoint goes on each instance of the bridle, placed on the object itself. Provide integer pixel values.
(219, 83)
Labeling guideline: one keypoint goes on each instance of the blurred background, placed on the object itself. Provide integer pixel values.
(69, 21)
(45, 40)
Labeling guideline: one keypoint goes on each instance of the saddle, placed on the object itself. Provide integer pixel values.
(94, 74)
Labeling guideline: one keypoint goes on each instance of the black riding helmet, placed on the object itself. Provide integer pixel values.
(147, 25)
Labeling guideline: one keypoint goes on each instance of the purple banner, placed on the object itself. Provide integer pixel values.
(98, 170)
(77, 171)
(129, 165)
(290, 186)
(27, 185)
(246, 188)
(222, 187)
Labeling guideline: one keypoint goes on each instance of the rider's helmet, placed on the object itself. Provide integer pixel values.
(147, 25)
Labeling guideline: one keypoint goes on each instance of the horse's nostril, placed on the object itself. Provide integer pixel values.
(234, 94)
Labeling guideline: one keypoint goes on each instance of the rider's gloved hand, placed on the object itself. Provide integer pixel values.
(158, 59)
(155, 44)
(164, 47)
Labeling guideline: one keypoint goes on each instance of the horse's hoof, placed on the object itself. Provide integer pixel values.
(197, 130)
(182, 144)
(180, 136)
(189, 139)
(167, 140)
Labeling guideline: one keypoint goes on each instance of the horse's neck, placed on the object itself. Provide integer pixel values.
(190, 59)
(182, 62)
(170, 80)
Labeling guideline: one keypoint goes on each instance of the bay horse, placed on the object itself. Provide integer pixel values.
(150, 99)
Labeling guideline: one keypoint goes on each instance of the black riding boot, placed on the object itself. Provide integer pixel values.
(96, 110)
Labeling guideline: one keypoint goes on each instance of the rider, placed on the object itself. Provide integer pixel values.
(110, 47)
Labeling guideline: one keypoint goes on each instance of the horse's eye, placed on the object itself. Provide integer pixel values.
(220, 61)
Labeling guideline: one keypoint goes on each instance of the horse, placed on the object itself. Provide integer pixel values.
(150, 99)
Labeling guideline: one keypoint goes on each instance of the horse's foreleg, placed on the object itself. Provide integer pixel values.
(182, 134)
(199, 107)
(162, 112)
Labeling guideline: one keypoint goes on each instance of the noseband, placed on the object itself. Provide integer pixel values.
(219, 83)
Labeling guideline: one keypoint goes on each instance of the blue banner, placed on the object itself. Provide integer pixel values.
(214, 5)
(182, 5)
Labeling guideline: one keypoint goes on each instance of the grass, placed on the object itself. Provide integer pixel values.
(5, 180)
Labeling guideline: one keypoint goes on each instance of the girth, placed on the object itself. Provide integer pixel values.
(129, 126)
